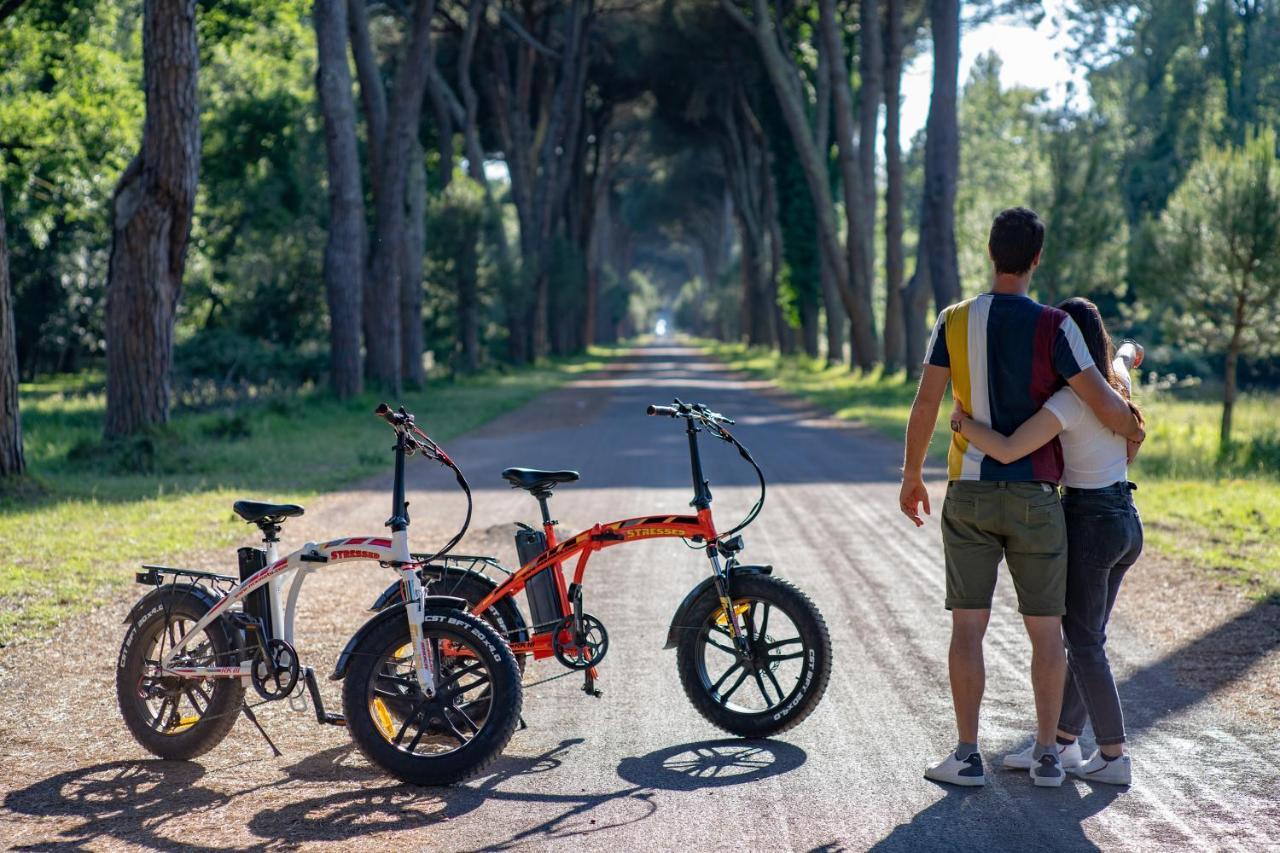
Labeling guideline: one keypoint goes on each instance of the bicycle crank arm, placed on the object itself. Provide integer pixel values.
(322, 716)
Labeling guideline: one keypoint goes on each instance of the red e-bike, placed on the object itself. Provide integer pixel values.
(752, 651)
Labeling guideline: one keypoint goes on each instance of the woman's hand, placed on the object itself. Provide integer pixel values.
(958, 418)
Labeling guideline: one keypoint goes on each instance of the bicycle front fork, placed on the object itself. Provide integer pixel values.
(415, 612)
(721, 574)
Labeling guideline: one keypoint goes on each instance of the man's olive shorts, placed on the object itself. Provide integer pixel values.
(983, 521)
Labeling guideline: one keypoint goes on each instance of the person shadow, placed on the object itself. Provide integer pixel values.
(1008, 814)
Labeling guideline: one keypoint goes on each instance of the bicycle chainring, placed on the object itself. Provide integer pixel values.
(276, 670)
(583, 650)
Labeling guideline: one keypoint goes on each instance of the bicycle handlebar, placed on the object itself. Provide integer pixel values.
(697, 411)
(396, 419)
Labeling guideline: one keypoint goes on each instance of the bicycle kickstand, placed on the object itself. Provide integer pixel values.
(589, 683)
(253, 718)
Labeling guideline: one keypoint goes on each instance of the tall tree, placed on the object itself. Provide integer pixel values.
(936, 266)
(1221, 247)
(786, 85)
(870, 86)
(392, 127)
(344, 246)
(12, 461)
(151, 222)
(893, 194)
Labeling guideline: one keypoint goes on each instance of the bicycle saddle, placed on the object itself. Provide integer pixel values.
(255, 511)
(534, 480)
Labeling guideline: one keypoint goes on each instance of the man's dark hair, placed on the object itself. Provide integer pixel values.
(1017, 235)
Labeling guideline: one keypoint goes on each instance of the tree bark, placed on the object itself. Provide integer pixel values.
(151, 223)
(389, 166)
(942, 151)
(871, 70)
(822, 137)
(862, 328)
(894, 262)
(344, 247)
(937, 271)
(12, 461)
(413, 250)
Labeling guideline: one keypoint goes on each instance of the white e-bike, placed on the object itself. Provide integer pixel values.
(431, 693)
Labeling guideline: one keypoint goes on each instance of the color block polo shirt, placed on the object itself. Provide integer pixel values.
(1007, 354)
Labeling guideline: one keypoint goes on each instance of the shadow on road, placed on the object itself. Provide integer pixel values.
(962, 819)
(136, 801)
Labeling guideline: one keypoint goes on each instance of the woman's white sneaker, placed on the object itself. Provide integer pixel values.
(1069, 755)
(955, 771)
(1047, 772)
(1117, 771)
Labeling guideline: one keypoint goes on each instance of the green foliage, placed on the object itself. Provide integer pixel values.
(167, 493)
(1220, 240)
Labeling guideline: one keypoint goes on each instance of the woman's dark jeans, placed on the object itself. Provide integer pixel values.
(1104, 538)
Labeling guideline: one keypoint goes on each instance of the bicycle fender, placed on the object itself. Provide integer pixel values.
(205, 597)
(391, 595)
(706, 587)
(394, 611)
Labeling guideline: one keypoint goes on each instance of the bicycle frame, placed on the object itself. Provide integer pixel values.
(698, 528)
(294, 568)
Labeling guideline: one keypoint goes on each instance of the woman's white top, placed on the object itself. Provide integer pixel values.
(1093, 456)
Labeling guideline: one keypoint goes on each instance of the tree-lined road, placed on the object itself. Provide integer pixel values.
(638, 768)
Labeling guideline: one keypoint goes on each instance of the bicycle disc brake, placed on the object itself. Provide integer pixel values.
(276, 670)
(585, 649)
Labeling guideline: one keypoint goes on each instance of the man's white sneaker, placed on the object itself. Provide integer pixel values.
(955, 771)
(1117, 771)
(1070, 756)
(1047, 772)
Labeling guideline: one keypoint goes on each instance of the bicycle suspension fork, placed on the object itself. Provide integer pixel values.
(416, 614)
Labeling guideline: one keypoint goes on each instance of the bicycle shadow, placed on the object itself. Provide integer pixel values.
(684, 767)
(123, 800)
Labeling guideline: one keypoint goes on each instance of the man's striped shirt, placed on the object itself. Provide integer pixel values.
(1007, 354)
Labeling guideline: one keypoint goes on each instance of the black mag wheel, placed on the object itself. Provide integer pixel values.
(446, 738)
(780, 681)
(171, 717)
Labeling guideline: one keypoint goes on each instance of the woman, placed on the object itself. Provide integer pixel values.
(1104, 539)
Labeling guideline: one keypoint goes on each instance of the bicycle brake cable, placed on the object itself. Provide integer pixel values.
(436, 452)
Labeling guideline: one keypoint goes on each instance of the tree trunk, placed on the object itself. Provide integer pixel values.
(389, 164)
(151, 223)
(862, 332)
(344, 247)
(937, 271)
(822, 137)
(415, 238)
(469, 307)
(12, 462)
(1228, 395)
(942, 152)
(871, 70)
(893, 220)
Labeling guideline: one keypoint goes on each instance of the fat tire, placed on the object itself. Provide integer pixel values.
(227, 695)
(473, 587)
(813, 629)
(482, 750)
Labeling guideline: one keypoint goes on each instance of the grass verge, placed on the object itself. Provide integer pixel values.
(91, 511)
(1219, 512)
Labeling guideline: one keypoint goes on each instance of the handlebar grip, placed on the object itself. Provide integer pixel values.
(385, 412)
(667, 411)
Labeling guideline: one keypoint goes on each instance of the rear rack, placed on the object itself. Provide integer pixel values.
(155, 576)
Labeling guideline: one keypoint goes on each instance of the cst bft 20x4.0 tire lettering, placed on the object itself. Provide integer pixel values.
(389, 718)
(790, 645)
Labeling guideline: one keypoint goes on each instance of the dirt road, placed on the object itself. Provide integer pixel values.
(638, 768)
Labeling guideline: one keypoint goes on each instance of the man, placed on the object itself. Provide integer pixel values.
(1004, 355)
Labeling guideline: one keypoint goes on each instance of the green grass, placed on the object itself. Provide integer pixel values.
(90, 512)
(1218, 511)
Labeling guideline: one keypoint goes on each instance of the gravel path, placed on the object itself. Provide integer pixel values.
(639, 769)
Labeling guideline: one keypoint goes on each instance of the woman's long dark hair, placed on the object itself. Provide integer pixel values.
(1098, 340)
